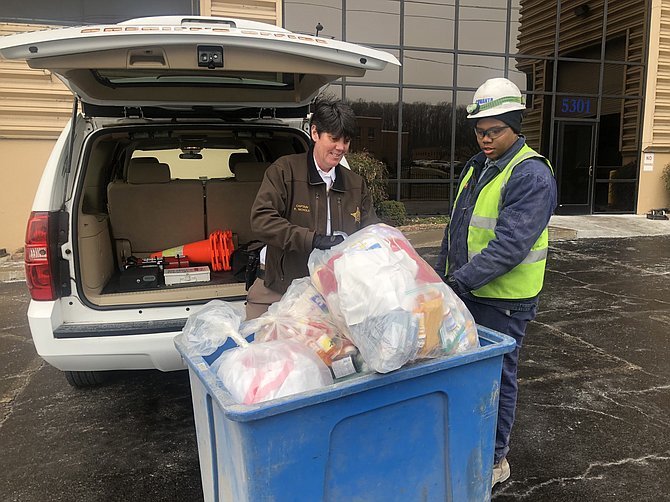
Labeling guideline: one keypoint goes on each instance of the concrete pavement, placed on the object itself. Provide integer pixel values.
(568, 227)
(605, 225)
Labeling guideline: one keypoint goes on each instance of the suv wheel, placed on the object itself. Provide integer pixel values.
(85, 378)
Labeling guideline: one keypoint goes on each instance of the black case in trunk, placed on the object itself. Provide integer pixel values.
(139, 278)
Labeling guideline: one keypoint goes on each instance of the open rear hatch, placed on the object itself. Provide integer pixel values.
(185, 62)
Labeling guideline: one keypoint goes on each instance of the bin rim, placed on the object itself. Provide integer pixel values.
(498, 345)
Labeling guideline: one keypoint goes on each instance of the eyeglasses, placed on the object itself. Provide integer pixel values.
(492, 133)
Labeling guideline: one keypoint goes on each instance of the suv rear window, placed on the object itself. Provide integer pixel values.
(213, 164)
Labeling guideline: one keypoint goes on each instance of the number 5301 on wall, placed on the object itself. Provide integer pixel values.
(576, 106)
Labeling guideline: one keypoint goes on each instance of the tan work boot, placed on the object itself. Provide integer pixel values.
(501, 472)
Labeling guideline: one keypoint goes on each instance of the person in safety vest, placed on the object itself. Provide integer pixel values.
(494, 249)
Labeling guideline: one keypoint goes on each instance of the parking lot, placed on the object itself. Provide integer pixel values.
(592, 421)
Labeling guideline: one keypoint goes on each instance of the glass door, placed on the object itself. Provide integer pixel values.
(574, 166)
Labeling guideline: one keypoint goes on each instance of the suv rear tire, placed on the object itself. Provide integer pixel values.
(85, 378)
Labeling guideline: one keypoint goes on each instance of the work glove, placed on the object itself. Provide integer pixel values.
(451, 282)
(326, 241)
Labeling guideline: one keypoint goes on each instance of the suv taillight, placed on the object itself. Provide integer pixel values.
(38, 261)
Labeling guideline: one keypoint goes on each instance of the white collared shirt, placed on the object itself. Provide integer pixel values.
(328, 178)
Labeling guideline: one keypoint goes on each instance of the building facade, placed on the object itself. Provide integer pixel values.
(581, 65)
(596, 76)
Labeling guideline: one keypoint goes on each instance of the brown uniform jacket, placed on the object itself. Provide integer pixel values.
(291, 207)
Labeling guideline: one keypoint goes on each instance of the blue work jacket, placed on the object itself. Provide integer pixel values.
(528, 201)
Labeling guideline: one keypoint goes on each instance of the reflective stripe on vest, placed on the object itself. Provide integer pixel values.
(526, 279)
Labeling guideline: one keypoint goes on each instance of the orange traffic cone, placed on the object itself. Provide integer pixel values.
(215, 250)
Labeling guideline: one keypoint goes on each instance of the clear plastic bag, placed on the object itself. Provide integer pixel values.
(208, 329)
(446, 325)
(387, 342)
(301, 315)
(376, 273)
(257, 372)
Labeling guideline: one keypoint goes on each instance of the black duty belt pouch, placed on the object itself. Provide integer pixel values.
(139, 278)
(244, 262)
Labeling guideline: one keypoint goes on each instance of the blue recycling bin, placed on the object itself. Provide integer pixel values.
(425, 432)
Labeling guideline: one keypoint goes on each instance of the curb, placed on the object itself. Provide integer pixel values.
(12, 274)
(432, 235)
(12, 268)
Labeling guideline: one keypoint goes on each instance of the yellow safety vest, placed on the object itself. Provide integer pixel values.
(526, 279)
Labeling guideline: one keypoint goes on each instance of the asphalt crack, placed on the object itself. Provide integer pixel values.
(627, 364)
(578, 408)
(8, 399)
(604, 260)
(656, 388)
(635, 408)
(588, 475)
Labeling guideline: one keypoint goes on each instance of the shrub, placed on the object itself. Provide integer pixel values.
(392, 213)
(666, 177)
(374, 173)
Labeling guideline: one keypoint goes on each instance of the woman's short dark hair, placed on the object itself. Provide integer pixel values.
(334, 117)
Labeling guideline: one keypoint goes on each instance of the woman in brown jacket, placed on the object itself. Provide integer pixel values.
(303, 200)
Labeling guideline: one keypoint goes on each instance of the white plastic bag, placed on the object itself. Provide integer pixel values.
(257, 372)
(208, 329)
(375, 275)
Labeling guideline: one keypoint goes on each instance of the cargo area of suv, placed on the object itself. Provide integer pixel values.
(148, 189)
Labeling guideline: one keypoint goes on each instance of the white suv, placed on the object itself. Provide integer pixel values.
(175, 120)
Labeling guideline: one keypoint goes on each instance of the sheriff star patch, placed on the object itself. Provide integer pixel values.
(357, 215)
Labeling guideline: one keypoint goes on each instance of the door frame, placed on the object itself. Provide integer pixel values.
(573, 209)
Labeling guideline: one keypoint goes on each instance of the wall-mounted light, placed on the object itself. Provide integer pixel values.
(581, 10)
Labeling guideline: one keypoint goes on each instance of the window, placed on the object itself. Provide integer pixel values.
(581, 24)
(214, 162)
(373, 21)
(303, 17)
(429, 23)
(428, 68)
(473, 71)
(482, 25)
(376, 108)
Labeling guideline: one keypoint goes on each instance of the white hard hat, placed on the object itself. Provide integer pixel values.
(495, 97)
